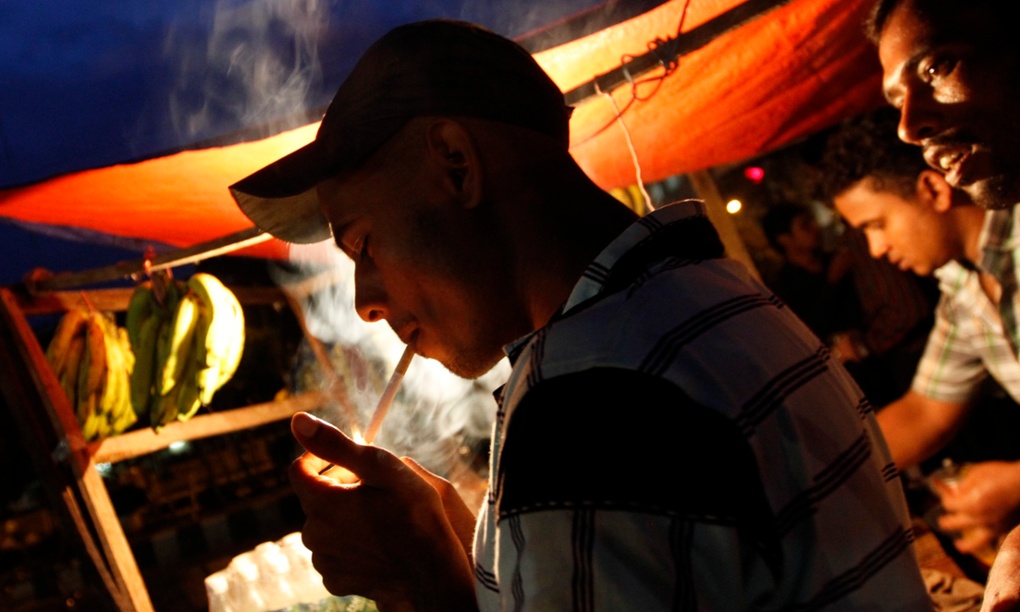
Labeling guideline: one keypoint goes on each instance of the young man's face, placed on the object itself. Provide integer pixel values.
(424, 264)
(911, 235)
(804, 235)
(957, 98)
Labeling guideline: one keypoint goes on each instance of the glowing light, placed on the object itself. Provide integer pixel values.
(733, 206)
(754, 174)
(179, 446)
(104, 468)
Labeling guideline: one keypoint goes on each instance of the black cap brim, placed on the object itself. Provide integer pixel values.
(282, 200)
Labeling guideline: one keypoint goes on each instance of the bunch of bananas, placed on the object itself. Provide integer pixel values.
(93, 360)
(188, 338)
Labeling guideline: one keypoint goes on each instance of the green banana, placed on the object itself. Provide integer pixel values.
(163, 409)
(162, 351)
(142, 373)
(141, 308)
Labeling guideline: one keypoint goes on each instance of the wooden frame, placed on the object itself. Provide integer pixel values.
(67, 464)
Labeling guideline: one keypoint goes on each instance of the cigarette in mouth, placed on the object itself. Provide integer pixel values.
(385, 400)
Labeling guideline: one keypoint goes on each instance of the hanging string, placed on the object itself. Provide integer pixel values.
(666, 52)
(633, 153)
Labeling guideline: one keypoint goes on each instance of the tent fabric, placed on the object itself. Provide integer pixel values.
(799, 68)
(128, 81)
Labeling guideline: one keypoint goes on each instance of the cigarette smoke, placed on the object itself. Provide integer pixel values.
(258, 62)
(435, 413)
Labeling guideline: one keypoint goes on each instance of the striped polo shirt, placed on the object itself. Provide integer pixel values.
(1000, 248)
(967, 343)
(676, 439)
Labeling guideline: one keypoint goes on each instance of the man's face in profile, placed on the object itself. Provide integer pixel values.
(957, 92)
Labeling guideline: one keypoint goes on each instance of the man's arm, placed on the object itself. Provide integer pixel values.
(916, 427)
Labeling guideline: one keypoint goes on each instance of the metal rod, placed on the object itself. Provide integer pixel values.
(672, 49)
(176, 257)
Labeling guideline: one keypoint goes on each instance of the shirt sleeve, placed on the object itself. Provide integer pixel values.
(951, 369)
(586, 521)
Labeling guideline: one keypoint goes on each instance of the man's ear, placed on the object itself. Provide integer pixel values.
(455, 153)
(933, 191)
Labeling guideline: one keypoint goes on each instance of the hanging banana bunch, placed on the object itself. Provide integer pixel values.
(187, 345)
(93, 361)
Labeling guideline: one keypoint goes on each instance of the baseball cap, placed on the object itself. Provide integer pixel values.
(435, 67)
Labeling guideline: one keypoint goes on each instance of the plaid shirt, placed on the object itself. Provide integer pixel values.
(1000, 244)
(799, 508)
(973, 339)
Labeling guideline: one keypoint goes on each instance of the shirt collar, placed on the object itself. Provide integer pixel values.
(592, 281)
(997, 233)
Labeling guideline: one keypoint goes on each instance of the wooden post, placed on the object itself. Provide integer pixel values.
(707, 190)
(112, 557)
(47, 421)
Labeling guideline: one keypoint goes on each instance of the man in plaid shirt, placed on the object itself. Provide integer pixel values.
(911, 216)
(953, 71)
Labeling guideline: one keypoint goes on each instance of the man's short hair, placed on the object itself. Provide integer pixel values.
(778, 219)
(877, 18)
(866, 146)
(1000, 30)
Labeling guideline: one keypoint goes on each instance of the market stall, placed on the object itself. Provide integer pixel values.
(660, 89)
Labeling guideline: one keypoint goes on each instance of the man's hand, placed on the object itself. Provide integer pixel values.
(395, 533)
(1002, 591)
(983, 506)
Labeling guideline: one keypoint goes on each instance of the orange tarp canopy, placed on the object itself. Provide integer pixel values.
(796, 69)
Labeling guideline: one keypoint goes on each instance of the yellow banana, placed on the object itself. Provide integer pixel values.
(126, 410)
(207, 362)
(126, 352)
(235, 337)
(87, 418)
(69, 326)
(182, 329)
(102, 424)
(115, 402)
(69, 373)
(188, 401)
(93, 366)
(224, 337)
(107, 396)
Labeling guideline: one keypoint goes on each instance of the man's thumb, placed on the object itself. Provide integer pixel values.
(322, 439)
